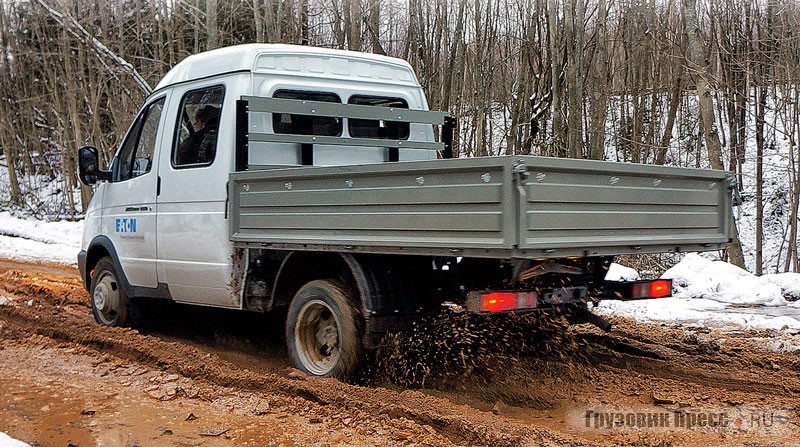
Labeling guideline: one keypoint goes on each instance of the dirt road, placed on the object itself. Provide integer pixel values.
(193, 377)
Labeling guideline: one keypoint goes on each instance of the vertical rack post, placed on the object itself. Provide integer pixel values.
(242, 134)
(447, 136)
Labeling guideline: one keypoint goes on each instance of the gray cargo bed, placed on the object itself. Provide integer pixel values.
(495, 207)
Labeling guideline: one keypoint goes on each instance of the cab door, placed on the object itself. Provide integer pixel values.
(129, 217)
(194, 252)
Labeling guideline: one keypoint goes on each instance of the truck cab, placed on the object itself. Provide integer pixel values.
(162, 215)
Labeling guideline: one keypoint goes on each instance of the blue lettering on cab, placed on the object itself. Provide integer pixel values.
(125, 225)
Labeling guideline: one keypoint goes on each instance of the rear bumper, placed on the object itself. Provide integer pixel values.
(82, 268)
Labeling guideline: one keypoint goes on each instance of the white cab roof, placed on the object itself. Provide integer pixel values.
(291, 59)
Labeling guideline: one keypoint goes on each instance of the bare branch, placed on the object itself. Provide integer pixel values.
(75, 27)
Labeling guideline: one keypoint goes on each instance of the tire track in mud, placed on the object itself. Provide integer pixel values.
(54, 289)
(642, 352)
(734, 364)
(459, 424)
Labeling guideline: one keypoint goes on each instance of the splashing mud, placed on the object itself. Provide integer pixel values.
(452, 344)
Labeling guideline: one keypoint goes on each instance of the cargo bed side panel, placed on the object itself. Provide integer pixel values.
(440, 204)
(580, 208)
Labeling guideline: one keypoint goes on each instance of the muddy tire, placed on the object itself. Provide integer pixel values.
(110, 305)
(323, 331)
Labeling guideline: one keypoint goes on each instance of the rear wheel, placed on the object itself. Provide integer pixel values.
(110, 304)
(323, 332)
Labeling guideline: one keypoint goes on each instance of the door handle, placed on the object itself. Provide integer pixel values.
(137, 208)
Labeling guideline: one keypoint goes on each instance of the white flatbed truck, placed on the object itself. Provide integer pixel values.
(273, 177)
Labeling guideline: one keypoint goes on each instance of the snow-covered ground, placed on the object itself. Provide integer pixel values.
(8, 441)
(35, 240)
(716, 294)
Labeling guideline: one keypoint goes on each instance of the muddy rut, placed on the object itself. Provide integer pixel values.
(229, 364)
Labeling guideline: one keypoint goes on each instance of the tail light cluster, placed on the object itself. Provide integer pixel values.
(638, 290)
(506, 301)
(660, 288)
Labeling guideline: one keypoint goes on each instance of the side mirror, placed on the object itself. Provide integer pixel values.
(88, 166)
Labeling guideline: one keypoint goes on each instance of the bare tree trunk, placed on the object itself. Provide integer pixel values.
(161, 29)
(180, 47)
(211, 25)
(70, 145)
(666, 137)
(303, 22)
(258, 21)
(555, 77)
(170, 33)
(374, 26)
(573, 31)
(455, 46)
(597, 130)
(352, 20)
(16, 192)
(701, 66)
(761, 106)
(792, 125)
(272, 33)
(791, 247)
(5, 83)
(698, 149)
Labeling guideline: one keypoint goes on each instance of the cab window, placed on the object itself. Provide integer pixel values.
(136, 156)
(388, 130)
(198, 127)
(288, 123)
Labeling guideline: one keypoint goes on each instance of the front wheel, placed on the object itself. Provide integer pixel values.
(110, 304)
(323, 333)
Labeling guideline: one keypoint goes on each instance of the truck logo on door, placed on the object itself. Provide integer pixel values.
(125, 225)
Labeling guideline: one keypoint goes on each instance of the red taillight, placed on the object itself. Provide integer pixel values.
(506, 301)
(498, 301)
(659, 288)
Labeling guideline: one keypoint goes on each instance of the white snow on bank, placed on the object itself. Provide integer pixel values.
(618, 272)
(8, 441)
(717, 294)
(35, 240)
(697, 277)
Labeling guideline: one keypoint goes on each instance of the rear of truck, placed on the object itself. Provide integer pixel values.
(497, 234)
(346, 213)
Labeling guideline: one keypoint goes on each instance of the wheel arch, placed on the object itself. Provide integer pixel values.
(299, 268)
(380, 285)
(100, 247)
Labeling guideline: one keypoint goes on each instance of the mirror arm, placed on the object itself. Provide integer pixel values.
(104, 175)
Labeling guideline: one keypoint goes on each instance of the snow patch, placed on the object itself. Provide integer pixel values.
(35, 240)
(698, 277)
(618, 272)
(716, 294)
(8, 441)
(788, 282)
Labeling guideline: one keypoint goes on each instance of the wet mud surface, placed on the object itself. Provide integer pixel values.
(196, 376)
